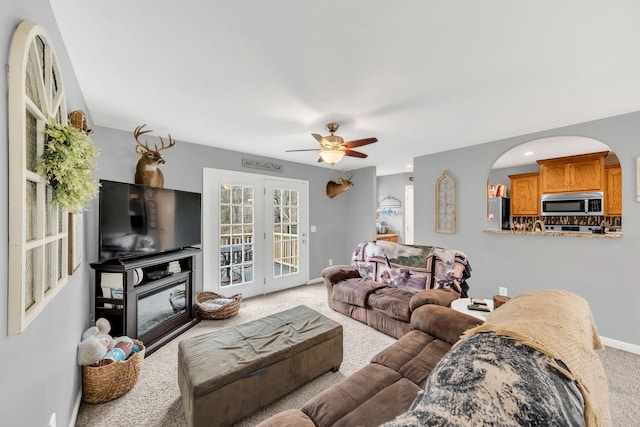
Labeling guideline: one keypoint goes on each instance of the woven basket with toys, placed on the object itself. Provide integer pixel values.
(110, 367)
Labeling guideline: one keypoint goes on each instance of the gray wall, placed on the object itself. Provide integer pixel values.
(360, 216)
(38, 374)
(600, 270)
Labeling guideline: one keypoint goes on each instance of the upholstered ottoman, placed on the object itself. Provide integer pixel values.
(229, 374)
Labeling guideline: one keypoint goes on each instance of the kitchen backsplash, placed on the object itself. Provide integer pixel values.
(612, 221)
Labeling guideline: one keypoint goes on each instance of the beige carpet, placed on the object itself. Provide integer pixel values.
(155, 400)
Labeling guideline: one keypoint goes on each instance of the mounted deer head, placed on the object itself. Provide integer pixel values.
(335, 188)
(147, 171)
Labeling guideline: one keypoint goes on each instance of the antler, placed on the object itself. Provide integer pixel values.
(138, 131)
(172, 142)
(342, 178)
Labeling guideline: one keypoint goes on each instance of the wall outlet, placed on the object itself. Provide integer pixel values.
(502, 291)
(330, 262)
(52, 420)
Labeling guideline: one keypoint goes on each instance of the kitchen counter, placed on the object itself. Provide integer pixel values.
(608, 235)
(391, 237)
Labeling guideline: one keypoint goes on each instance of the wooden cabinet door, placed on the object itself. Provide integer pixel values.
(587, 175)
(613, 193)
(525, 194)
(554, 177)
(584, 172)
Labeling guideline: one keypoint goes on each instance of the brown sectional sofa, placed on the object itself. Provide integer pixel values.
(385, 308)
(532, 362)
(386, 387)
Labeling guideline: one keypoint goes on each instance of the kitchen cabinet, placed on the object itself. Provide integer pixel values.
(525, 194)
(573, 173)
(613, 190)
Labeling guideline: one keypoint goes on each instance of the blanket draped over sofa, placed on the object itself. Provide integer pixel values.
(553, 329)
(412, 267)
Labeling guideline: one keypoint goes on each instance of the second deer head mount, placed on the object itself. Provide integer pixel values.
(335, 188)
(147, 171)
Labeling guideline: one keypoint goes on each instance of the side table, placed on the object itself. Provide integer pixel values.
(461, 305)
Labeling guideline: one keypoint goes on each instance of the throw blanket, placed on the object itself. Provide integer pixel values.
(492, 380)
(558, 328)
(414, 268)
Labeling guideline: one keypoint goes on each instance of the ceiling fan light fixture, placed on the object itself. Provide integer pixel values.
(332, 156)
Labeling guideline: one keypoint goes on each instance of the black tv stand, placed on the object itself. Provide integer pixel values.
(149, 304)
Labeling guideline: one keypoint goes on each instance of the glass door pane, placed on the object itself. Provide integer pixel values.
(286, 238)
(236, 234)
(285, 231)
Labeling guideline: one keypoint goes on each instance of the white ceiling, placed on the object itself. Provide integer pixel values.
(421, 76)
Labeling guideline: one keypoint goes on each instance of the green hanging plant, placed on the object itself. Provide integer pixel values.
(67, 162)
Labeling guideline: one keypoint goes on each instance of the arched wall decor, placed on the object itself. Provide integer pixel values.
(37, 228)
(445, 204)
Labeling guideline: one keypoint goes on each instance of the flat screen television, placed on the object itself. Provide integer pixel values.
(136, 220)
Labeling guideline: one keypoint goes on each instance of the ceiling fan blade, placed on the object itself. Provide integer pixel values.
(307, 149)
(353, 153)
(318, 137)
(360, 142)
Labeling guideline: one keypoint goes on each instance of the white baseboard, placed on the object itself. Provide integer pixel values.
(620, 345)
(76, 409)
(312, 281)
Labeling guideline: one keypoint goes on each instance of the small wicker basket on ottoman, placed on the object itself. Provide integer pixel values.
(228, 374)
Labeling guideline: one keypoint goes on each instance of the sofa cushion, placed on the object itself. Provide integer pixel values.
(326, 408)
(402, 351)
(355, 291)
(433, 296)
(384, 406)
(419, 368)
(442, 322)
(288, 418)
(379, 321)
(413, 356)
(393, 302)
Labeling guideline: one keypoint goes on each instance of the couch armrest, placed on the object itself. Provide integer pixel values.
(338, 273)
(442, 297)
(442, 322)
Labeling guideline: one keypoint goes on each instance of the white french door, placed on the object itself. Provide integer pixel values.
(254, 233)
(286, 239)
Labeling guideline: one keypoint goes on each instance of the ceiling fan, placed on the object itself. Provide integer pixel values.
(333, 148)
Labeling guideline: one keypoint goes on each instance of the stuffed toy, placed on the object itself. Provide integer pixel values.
(95, 343)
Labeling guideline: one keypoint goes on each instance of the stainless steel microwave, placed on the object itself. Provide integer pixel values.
(578, 204)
